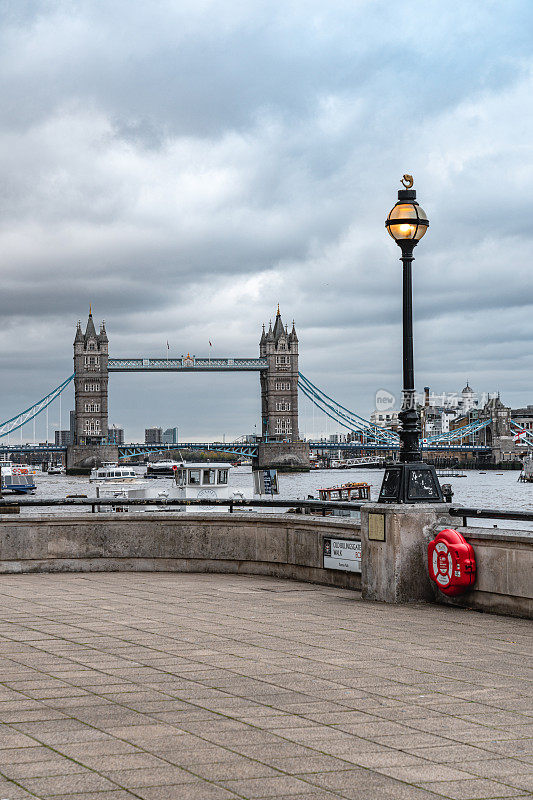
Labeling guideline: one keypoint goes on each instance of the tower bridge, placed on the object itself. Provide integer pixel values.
(277, 366)
(489, 431)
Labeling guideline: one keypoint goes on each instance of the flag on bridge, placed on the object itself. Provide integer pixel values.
(520, 436)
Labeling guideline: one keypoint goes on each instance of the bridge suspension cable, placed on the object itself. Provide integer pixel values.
(33, 411)
(343, 416)
(523, 434)
(373, 433)
(458, 433)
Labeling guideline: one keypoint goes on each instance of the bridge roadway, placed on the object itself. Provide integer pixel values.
(248, 449)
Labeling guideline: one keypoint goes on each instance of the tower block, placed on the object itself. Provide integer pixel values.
(91, 352)
(281, 446)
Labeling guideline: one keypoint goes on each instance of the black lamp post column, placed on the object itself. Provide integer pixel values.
(410, 480)
(408, 416)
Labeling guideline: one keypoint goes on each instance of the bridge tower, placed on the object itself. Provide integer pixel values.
(279, 383)
(90, 384)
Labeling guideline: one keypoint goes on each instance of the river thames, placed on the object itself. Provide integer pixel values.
(499, 490)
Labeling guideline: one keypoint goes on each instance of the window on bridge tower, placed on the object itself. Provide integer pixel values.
(283, 425)
(92, 426)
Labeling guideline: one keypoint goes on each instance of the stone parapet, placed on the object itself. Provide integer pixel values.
(280, 545)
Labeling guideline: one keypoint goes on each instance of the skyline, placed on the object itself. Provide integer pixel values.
(183, 167)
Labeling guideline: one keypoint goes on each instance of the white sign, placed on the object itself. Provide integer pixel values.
(342, 554)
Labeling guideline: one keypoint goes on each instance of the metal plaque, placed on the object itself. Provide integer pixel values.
(376, 527)
(342, 554)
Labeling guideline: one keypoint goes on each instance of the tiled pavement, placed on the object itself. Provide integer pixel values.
(207, 687)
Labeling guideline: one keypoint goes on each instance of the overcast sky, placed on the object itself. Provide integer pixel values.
(184, 165)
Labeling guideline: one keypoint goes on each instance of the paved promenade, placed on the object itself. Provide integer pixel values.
(211, 687)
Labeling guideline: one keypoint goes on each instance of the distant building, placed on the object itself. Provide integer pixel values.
(524, 417)
(170, 436)
(385, 419)
(64, 438)
(153, 436)
(468, 399)
(115, 434)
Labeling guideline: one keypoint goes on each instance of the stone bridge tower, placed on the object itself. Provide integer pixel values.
(279, 384)
(90, 384)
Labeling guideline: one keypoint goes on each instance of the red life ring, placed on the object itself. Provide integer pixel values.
(451, 562)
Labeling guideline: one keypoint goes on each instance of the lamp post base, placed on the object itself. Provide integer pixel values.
(411, 482)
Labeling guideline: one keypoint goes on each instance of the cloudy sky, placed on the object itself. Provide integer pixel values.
(183, 166)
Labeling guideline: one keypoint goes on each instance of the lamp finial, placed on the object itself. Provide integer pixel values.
(407, 181)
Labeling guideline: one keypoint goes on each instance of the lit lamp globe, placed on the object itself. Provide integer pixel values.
(407, 222)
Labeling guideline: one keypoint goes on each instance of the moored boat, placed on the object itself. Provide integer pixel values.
(161, 469)
(55, 469)
(194, 481)
(17, 478)
(113, 473)
(345, 492)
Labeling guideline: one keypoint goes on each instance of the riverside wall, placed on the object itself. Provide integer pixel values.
(394, 567)
(280, 545)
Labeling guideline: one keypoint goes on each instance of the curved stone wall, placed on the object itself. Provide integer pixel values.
(281, 545)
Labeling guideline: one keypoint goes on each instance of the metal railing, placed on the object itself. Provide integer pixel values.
(312, 506)
(489, 513)
(320, 507)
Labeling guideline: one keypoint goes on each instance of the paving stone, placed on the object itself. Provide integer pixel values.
(471, 789)
(190, 791)
(314, 763)
(282, 786)
(159, 776)
(415, 773)
(233, 770)
(41, 769)
(11, 791)
(57, 784)
(500, 767)
(119, 794)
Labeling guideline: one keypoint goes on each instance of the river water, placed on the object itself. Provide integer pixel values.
(498, 490)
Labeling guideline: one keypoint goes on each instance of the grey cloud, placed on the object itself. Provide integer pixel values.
(184, 166)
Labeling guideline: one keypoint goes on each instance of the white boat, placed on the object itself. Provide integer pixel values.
(195, 481)
(113, 473)
(55, 469)
(18, 478)
(161, 469)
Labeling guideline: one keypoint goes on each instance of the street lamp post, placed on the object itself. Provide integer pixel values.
(410, 480)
